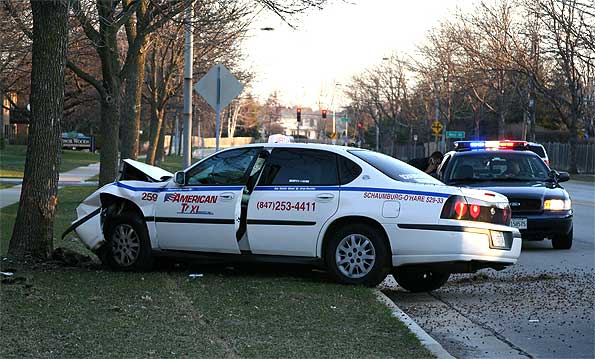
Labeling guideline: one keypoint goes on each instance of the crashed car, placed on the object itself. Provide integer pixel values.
(358, 213)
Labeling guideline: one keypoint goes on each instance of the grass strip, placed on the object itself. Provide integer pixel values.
(12, 160)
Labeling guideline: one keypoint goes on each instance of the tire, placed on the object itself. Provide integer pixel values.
(418, 279)
(563, 241)
(127, 246)
(358, 243)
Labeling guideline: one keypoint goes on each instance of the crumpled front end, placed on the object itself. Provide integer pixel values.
(88, 223)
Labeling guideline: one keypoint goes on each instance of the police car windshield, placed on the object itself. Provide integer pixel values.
(496, 166)
(394, 168)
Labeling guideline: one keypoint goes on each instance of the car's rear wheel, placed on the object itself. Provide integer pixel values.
(127, 244)
(563, 241)
(358, 254)
(419, 278)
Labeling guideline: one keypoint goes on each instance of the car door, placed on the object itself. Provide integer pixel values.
(203, 214)
(296, 194)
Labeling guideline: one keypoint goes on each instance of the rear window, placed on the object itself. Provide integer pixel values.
(538, 150)
(394, 168)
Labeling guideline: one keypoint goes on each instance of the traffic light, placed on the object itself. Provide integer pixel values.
(298, 114)
(360, 125)
(324, 114)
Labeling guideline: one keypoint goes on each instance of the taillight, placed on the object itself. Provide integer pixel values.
(474, 210)
(461, 209)
(471, 209)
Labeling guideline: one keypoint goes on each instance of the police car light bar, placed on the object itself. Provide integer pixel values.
(492, 145)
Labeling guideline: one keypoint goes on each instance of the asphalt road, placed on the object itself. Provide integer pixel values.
(543, 307)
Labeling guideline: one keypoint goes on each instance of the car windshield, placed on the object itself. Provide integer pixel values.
(496, 166)
(394, 168)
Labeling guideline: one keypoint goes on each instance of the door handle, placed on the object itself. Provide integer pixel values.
(325, 196)
(227, 196)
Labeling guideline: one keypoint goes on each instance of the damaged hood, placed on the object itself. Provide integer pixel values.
(154, 173)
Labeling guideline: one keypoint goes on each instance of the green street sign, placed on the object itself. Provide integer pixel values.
(345, 119)
(455, 134)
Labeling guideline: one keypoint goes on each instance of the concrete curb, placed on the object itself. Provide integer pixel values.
(426, 340)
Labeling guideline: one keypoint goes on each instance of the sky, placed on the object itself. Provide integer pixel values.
(311, 64)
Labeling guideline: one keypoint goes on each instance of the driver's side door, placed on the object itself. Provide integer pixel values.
(203, 214)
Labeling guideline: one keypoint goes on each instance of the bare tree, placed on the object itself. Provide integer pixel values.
(33, 229)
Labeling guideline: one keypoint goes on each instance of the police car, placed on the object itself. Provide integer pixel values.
(358, 213)
(540, 206)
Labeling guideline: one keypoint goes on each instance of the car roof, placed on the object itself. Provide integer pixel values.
(316, 146)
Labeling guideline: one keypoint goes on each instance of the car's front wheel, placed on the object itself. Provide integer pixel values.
(357, 254)
(127, 244)
(420, 279)
(563, 241)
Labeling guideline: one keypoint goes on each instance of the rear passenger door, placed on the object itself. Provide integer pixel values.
(296, 194)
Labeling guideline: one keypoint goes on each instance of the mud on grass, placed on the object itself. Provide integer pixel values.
(75, 313)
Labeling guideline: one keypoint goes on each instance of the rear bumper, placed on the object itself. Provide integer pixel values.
(451, 248)
(546, 225)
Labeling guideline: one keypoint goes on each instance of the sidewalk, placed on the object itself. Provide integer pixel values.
(75, 177)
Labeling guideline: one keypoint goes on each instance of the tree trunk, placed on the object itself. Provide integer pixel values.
(109, 140)
(156, 125)
(131, 110)
(33, 229)
(161, 144)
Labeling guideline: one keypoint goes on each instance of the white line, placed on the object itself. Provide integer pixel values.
(425, 339)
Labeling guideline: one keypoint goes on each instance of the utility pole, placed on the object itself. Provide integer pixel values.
(437, 107)
(188, 58)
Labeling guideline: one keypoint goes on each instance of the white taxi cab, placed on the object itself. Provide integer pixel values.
(358, 213)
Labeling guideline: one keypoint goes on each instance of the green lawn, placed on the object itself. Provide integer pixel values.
(4, 185)
(172, 163)
(247, 311)
(12, 160)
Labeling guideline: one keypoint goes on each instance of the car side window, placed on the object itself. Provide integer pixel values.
(348, 170)
(443, 166)
(225, 168)
(300, 167)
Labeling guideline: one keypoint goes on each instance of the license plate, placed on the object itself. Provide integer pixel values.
(498, 239)
(520, 223)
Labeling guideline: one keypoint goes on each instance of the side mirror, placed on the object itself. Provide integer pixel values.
(180, 178)
(563, 176)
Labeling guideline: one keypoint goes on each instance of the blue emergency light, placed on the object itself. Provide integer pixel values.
(490, 145)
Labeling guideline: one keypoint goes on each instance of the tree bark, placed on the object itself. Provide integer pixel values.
(160, 143)
(156, 129)
(33, 229)
(130, 116)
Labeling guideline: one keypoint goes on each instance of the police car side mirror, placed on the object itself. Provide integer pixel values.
(563, 177)
(180, 178)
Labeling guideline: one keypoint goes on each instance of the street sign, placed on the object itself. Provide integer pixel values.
(345, 119)
(437, 128)
(333, 135)
(455, 134)
(219, 87)
(414, 137)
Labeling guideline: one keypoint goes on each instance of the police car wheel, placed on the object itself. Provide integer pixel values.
(127, 244)
(563, 241)
(357, 254)
(419, 279)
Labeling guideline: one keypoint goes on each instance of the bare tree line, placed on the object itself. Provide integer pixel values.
(506, 61)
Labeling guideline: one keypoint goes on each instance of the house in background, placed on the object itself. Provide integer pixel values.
(309, 127)
(15, 124)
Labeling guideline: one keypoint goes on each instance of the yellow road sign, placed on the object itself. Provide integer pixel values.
(333, 135)
(437, 128)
